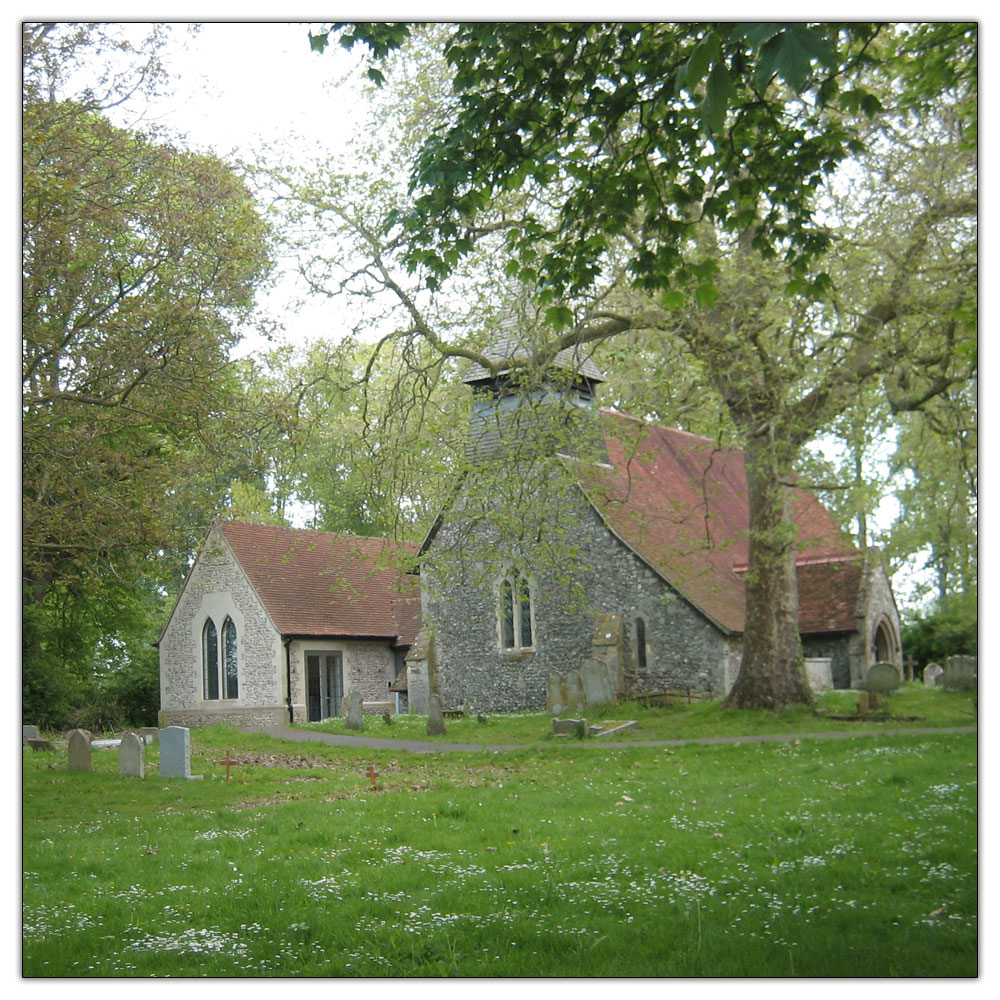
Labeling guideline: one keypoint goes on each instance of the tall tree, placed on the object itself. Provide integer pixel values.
(139, 260)
(671, 177)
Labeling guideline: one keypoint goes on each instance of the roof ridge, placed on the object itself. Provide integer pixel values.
(287, 528)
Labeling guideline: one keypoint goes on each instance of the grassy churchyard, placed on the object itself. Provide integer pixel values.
(850, 857)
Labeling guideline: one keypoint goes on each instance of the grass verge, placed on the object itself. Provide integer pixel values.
(817, 858)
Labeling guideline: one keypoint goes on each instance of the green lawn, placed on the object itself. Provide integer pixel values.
(851, 858)
(911, 705)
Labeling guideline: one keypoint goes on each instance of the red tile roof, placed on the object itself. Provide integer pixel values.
(680, 502)
(317, 583)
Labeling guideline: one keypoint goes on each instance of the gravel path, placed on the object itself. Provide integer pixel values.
(415, 746)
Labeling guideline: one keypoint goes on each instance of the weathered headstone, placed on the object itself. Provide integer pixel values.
(175, 752)
(29, 733)
(131, 756)
(959, 673)
(569, 727)
(555, 693)
(149, 734)
(932, 673)
(819, 673)
(883, 678)
(575, 696)
(596, 682)
(79, 751)
(354, 705)
(435, 720)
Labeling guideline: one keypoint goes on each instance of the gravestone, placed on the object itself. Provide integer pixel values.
(40, 744)
(932, 673)
(149, 734)
(959, 673)
(819, 673)
(175, 752)
(575, 696)
(131, 755)
(596, 682)
(79, 751)
(883, 678)
(555, 693)
(435, 720)
(354, 706)
(569, 727)
(29, 733)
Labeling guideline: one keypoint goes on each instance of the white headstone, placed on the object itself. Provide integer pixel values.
(931, 674)
(819, 673)
(175, 752)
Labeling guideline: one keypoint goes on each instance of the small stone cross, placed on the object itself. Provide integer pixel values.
(372, 774)
(909, 663)
(228, 762)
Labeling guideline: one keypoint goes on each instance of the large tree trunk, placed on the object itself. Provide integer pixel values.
(772, 674)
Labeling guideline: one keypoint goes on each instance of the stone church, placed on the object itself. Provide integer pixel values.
(646, 587)
(578, 539)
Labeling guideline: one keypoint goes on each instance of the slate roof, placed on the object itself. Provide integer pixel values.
(680, 502)
(318, 583)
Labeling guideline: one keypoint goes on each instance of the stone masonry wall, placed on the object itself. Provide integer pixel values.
(684, 650)
(369, 667)
(218, 587)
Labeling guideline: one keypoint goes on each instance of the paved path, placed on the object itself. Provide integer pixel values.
(416, 746)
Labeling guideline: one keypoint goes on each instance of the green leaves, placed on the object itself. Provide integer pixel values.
(790, 53)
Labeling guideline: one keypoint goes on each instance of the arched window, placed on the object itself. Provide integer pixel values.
(640, 643)
(219, 664)
(515, 613)
(230, 680)
(210, 661)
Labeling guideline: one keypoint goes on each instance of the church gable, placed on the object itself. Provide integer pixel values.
(276, 624)
(680, 502)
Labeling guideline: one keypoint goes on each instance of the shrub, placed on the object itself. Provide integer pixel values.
(950, 628)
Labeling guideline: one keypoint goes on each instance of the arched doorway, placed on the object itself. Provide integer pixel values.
(883, 644)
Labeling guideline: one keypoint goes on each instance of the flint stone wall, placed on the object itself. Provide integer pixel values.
(684, 650)
(217, 587)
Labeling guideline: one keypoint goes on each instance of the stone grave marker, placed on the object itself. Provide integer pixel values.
(175, 752)
(596, 682)
(932, 673)
(149, 734)
(354, 707)
(555, 693)
(819, 673)
(435, 720)
(569, 727)
(883, 678)
(131, 756)
(29, 733)
(576, 698)
(79, 751)
(959, 673)
(40, 744)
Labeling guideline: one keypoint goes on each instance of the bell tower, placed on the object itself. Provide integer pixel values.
(520, 410)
